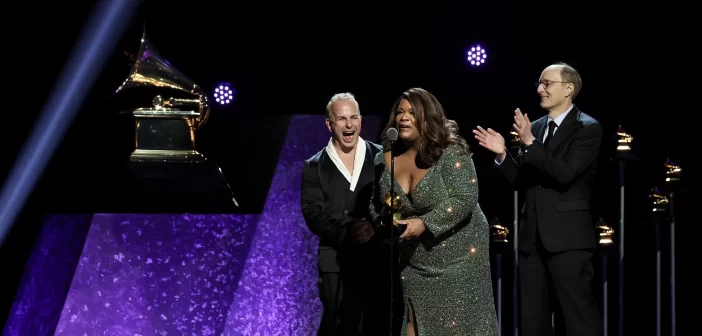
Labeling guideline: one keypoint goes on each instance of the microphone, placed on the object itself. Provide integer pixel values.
(391, 134)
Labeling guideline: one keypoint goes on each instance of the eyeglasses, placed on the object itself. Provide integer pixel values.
(548, 83)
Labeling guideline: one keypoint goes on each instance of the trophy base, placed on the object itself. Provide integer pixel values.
(169, 186)
(398, 230)
(165, 136)
(386, 230)
(164, 155)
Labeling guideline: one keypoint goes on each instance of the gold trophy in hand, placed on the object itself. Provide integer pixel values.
(394, 203)
(395, 206)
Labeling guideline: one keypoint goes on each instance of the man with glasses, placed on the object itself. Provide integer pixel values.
(556, 170)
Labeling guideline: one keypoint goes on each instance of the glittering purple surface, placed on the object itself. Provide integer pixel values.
(48, 275)
(279, 294)
(178, 274)
(157, 274)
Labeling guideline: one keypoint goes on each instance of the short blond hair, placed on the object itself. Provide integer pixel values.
(339, 97)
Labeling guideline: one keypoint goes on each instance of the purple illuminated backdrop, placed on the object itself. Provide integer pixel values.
(182, 274)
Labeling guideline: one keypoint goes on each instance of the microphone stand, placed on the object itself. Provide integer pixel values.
(392, 229)
(392, 138)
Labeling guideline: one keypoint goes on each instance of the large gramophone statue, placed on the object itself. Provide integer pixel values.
(166, 129)
(165, 171)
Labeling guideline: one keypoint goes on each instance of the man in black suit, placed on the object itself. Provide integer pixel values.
(556, 170)
(336, 191)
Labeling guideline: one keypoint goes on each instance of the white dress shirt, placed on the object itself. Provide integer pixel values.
(558, 122)
(357, 162)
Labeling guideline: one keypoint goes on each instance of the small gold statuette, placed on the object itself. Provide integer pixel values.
(499, 232)
(396, 204)
(672, 171)
(606, 233)
(624, 140)
(659, 201)
(515, 141)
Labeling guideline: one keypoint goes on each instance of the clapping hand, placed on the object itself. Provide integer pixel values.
(522, 126)
(490, 139)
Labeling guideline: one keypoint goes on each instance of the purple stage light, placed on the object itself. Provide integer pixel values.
(476, 55)
(224, 94)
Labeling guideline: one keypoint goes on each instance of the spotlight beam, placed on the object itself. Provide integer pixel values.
(106, 24)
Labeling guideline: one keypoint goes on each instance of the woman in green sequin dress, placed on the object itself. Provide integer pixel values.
(444, 251)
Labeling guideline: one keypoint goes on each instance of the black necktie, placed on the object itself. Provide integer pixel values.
(551, 127)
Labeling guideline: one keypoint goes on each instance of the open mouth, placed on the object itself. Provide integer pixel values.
(347, 136)
(404, 127)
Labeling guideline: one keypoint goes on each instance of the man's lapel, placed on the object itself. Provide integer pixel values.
(367, 173)
(331, 174)
(538, 128)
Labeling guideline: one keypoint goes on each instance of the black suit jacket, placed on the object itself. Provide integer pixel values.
(328, 205)
(557, 183)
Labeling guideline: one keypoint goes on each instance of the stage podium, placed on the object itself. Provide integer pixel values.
(175, 187)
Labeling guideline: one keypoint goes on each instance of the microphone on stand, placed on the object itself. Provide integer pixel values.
(397, 230)
(391, 134)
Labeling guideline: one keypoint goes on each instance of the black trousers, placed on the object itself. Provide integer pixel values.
(354, 288)
(329, 293)
(567, 276)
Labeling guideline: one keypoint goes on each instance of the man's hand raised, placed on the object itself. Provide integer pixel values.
(491, 140)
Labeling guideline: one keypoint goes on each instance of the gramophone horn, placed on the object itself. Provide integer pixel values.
(151, 69)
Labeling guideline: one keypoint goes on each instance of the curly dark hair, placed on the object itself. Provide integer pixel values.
(436, 131)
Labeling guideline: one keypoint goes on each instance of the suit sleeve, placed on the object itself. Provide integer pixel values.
(316, 217)
(510, 168)
(459, 176)
(584, 150)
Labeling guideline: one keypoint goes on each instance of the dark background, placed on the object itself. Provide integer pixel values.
(286, 59)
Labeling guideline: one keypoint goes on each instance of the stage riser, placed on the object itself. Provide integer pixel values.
(182, 274)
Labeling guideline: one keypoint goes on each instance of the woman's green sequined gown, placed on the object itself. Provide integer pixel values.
(446, 272)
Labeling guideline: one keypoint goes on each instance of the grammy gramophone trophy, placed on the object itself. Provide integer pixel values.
(395, 205)
(166, 130)
(165, 171)
(390, 215)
